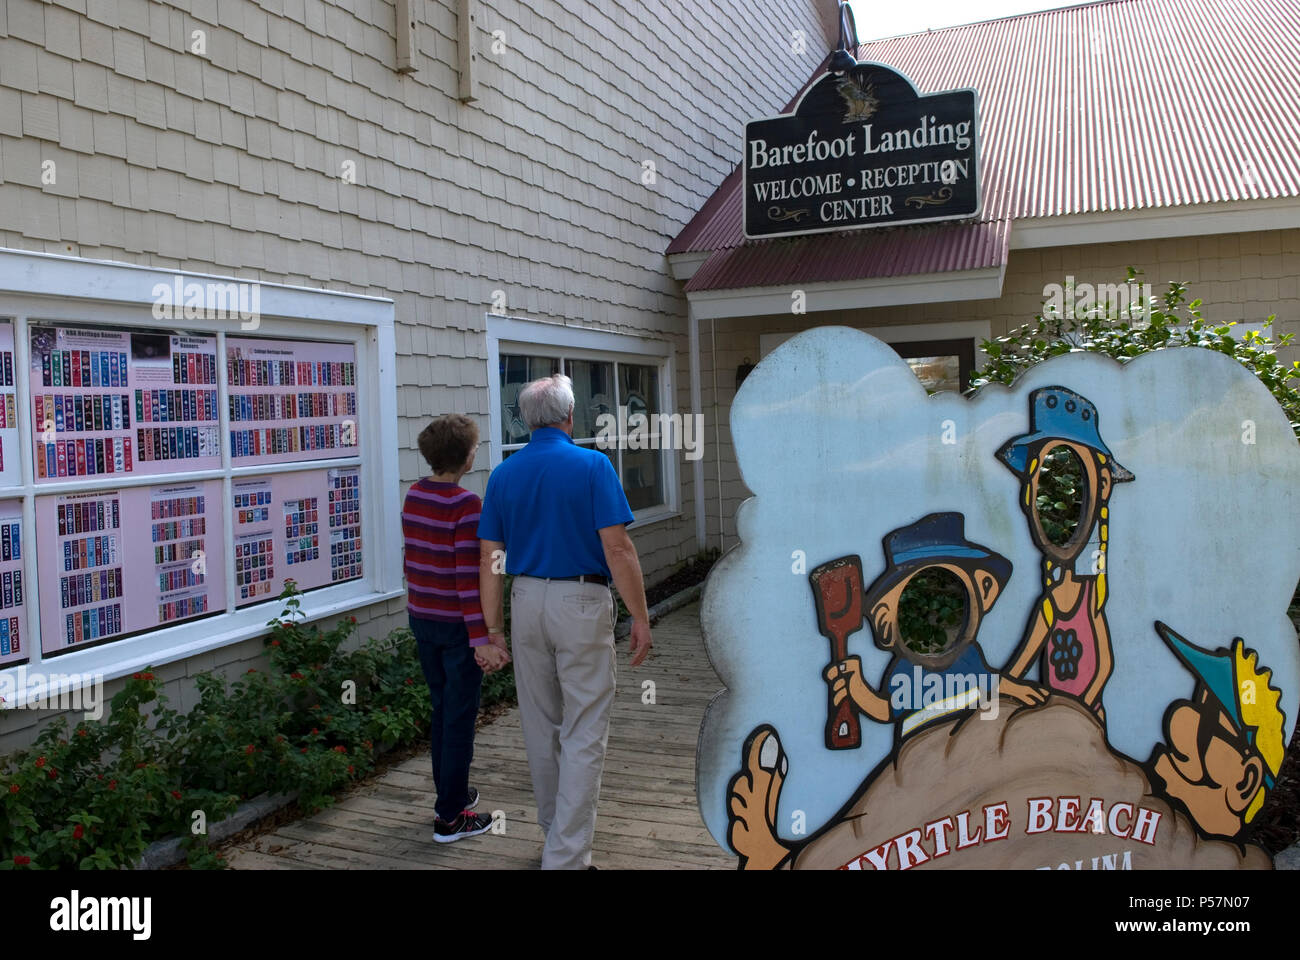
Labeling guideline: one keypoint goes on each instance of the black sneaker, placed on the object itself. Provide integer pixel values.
(472, 802)
(468, 824)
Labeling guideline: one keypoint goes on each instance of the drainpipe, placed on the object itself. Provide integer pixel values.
(697, 409)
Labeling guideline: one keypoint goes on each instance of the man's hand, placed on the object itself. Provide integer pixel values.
(490, 658)
(640, 641)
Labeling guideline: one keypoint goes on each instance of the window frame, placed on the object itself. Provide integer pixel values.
(116, 295)
(545, 339)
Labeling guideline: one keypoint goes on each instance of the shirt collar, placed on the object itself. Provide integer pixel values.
(550, 435)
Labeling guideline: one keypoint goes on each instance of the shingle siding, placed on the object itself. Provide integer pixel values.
(233, 162)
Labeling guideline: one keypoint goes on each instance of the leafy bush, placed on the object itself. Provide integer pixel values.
(1165, 321)
(97, 797)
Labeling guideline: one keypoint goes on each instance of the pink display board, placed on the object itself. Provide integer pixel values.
(13, 591)
(291, 400)
(98, 582)
(304, 526)
(106, 402)
(10, 467)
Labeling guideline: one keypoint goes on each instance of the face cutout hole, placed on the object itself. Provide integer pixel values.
(931, 612)
(1062, 495)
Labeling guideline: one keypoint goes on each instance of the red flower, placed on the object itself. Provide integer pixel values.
(13, 788)
(250, 749)
(78, 832)
(409, 681)
(340, 749)
(53, 774)
(304, 749)
(22, 861)
(112, 784)
(147, 676)
(295, 675)
(351, 769)
(40, 762)
(135, 676)
(81, 731)
(251, 670)
(368, 745)
(352, 619)
(176, 794)
(141, 766)
(279, 738)
(314, 731)
(384, 708)
(275, 643)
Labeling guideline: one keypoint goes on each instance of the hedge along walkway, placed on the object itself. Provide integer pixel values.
(647, 819)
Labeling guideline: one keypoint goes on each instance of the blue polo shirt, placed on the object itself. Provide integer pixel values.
(546, 504)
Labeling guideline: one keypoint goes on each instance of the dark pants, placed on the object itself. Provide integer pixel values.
(454, 680)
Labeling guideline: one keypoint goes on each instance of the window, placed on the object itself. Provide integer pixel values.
(939, 364)
(615, 378)
(166, 468)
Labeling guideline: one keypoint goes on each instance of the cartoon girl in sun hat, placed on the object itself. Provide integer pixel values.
(1067, 629)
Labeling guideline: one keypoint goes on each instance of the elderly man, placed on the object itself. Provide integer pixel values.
(559, 512)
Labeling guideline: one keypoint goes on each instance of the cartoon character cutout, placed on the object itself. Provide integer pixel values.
(916, 691)
(1067, 629)
(1225, 744)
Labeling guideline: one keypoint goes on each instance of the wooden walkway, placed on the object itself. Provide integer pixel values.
(648, 818)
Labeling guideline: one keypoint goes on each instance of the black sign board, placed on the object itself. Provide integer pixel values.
(862, 149)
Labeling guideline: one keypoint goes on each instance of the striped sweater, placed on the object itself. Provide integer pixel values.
(440, 530)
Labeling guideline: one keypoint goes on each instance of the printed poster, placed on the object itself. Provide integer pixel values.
(10, 466)
(111, 403)
(122, 561)
(291, 400)
(304, 526)
(13, 593)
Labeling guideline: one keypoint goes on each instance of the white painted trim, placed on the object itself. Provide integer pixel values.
(97, 281)
(901, 333)
(697, 407)
(1156, 223)
(46, 288)
(958, 286)
(684, 265)
(584, 343)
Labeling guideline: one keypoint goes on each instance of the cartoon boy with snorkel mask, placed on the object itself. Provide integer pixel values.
(1068, 626)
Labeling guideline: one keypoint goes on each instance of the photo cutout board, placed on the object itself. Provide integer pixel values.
(1043, 628)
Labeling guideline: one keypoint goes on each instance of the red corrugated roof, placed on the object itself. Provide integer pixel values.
(1117, 105)
(827, 257)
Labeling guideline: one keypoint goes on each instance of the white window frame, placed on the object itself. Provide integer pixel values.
(37, 288)
(547, 339)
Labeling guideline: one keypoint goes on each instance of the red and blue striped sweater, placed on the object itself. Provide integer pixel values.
(440, 531)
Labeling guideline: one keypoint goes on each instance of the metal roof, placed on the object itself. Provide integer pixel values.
(1117, 105)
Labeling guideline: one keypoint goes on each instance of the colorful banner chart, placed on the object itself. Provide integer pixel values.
(10, 467)
(302, 526)
(97, 583)
(291, 400)
(105, 402)
(13, 593)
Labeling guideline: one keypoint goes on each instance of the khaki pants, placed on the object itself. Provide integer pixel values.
(562, 642)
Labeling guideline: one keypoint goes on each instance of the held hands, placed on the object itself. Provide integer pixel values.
(492, 656)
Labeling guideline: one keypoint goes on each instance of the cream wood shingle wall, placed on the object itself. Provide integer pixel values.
(233, 162)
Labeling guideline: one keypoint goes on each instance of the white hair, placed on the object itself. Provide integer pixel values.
(546, 401)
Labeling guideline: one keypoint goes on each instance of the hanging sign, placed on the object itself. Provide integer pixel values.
(861, 149)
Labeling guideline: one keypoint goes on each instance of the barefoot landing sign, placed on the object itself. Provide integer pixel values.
(862, 149)
(1039, 628)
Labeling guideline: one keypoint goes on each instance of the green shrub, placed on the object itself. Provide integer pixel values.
(1158, 324)
(310, 723)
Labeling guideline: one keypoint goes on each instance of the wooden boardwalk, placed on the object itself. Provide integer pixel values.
(648, 818)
